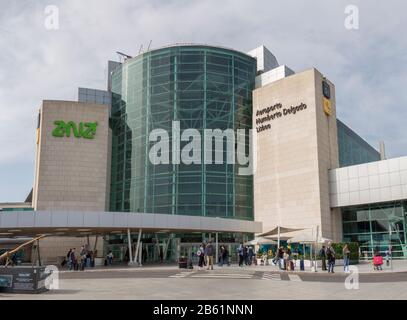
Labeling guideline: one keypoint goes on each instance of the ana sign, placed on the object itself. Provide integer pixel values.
(85, 130)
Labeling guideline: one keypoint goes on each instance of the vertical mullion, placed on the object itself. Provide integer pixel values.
(235, 129)
(146, 180)
(174, 166)
(203, 165)
(124, 113)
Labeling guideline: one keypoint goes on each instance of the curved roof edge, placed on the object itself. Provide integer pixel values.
(64, 223)
(187, 44)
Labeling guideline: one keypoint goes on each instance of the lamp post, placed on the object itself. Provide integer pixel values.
(315, 252)
(390, 253)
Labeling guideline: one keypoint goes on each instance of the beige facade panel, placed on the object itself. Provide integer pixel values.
(72, 172)
(296, 146)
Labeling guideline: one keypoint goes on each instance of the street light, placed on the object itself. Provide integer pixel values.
(390, 253)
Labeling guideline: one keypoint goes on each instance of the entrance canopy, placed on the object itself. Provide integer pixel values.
(307, 238)
(81, 223)
(279, 230)
(260, 240)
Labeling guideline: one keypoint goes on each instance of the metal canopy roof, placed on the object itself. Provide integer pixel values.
(82, 223)
(275, 231)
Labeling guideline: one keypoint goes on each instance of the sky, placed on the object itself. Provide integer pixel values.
(368, 65)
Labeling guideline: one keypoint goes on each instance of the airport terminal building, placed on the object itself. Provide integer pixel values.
(291, 163)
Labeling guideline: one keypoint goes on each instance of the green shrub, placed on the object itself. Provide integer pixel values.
(353, 248)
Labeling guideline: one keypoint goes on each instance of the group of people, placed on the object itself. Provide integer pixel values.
(328, 254)
(246, 255)
(284, 259)
(79, 261)
(205, 256)
(206, 253)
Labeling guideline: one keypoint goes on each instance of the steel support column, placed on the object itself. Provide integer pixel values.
(130, 247)
(138, 245)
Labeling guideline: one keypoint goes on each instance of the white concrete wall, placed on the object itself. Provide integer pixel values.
(265, 59)
(273, 75)
(372, 182)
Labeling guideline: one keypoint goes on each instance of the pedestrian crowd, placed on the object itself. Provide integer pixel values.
(79, 260)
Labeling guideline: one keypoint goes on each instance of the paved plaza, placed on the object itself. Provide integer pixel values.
(255, 282)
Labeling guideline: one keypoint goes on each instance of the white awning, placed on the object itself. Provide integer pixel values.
(260, 240)
(276, 231)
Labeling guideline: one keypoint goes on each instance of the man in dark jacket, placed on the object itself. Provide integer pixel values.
(209, 255)
(330, 254)
(322, 254)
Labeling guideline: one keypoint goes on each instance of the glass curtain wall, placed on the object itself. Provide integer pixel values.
(202, 88)
(376, 227)
(352, 148)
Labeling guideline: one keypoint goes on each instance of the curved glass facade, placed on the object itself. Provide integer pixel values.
(202, 87)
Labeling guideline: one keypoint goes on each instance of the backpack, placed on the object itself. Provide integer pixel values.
(330, 253)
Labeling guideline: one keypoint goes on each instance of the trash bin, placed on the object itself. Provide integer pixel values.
(183, 262)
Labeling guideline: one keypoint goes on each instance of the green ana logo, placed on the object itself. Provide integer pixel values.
(85, 130)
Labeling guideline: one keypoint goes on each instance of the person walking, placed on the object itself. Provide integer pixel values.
(250, 254)
(346, 258)
(330, 254)
(240, 252)
(74, 261)
(387, 256)
(286, 258)
(201, 256)
(110, 258)
(245, 255)
(280, 256)
(226, 257)
(209, 255)
(68, 259)
(82, 258)
(220, 256)
(322, 254)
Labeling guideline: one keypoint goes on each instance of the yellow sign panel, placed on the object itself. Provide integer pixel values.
(37, 136)
(327, 106)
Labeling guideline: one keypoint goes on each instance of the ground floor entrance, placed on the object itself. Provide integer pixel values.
(168, 247)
